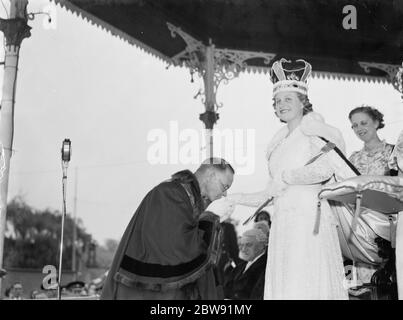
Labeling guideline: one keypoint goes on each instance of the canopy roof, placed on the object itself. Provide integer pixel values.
(311, 30)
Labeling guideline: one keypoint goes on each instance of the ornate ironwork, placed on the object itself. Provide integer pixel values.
(192, 56)
(398, 80)
(228, 64)
(31, 15)
(394, 72)
(209, 118)
(15, 30)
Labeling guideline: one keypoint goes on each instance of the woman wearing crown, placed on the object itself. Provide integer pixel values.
(304, 262)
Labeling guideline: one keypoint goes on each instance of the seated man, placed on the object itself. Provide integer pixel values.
(246, 281)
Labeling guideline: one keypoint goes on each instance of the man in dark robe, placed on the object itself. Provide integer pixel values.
(170, 247)
(246, 281)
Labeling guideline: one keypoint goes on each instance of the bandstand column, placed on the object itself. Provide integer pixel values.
(213, 65)
(15, 30)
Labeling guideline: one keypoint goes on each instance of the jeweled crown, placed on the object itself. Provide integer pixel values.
(288, 75)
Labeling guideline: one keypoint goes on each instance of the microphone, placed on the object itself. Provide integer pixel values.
(66, 150)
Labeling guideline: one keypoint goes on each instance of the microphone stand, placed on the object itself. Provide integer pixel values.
(65, 164)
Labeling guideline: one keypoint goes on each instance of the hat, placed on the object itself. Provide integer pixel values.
(288, 75)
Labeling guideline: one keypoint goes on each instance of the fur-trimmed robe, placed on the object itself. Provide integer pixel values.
(168, 250)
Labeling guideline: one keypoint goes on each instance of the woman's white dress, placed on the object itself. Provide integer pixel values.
(301, 264)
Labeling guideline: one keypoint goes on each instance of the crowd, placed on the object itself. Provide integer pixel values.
(75, 289)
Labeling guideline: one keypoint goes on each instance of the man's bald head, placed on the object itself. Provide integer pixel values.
(215, 177)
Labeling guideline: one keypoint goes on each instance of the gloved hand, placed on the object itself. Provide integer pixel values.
(222, 207)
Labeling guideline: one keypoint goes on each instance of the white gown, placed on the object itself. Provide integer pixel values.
(300, 264)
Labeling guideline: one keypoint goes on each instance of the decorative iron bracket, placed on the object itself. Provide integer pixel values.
(394, 72)
(209, 118)
(227, 63)
(398, 80)
(15, 30)
(230, 63)
(192, 56)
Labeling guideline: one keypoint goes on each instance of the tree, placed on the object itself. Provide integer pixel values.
(106, 253)
(33, 237)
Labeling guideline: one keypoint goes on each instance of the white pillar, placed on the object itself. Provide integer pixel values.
(15, 29)
(208, 79)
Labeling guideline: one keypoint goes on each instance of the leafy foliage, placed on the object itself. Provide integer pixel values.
(33, 237)
(106, 253)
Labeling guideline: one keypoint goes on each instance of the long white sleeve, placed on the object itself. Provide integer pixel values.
(316, 172)
(256, 199)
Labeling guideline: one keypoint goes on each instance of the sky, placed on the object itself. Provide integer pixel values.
(117, 104)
